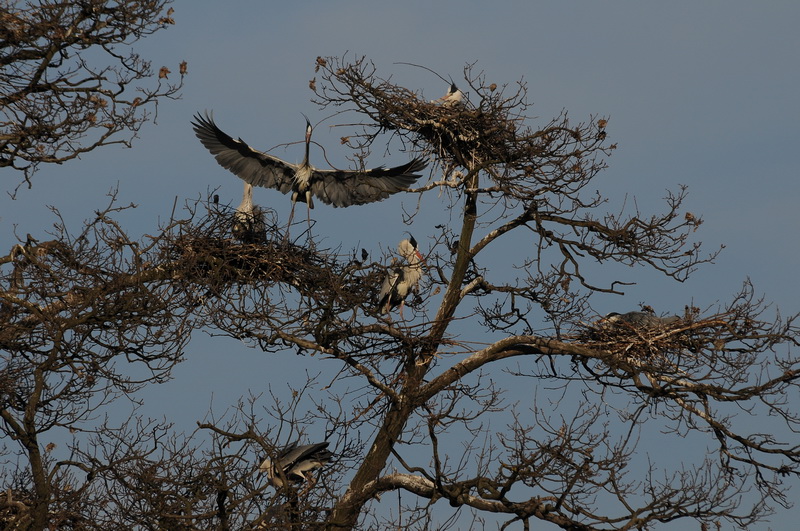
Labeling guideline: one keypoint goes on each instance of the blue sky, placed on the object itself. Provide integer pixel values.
(701, 94)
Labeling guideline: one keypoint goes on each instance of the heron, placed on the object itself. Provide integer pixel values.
(340, 188)
(453, 96)
(402, 280)
(248, 220)
(295, 463)
(645, 320)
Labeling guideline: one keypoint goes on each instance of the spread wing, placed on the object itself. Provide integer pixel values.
(344, 188)
(254, 167)
(293, 454)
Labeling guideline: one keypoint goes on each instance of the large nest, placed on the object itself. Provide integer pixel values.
(207, 254)
(486, 132)
(678, 348)
(458, 131)
(455, 131)
(226, 260)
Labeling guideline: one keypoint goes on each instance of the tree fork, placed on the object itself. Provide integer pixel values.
(345, 514)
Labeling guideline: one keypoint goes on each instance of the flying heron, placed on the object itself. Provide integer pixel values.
(340, 188)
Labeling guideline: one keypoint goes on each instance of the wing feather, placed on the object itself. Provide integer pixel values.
(390, 295)
(252, 166)
(291, 455)
(344, 188)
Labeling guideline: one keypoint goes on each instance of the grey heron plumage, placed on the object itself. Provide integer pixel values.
(645, 320)
(295, 463)
(248, 220)
(453, 96)
(339, 188)
(401, 280)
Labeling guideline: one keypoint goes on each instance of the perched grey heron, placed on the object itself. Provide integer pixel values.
(640, 319)
(402, 280)
(296, 463)
(340, 188)
(248, 220)
(452, 97)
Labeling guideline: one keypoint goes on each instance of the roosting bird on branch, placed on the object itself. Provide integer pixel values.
(340, 188)
(402, 280)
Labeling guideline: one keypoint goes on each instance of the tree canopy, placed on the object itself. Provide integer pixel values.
(414, 406)
(70, 80)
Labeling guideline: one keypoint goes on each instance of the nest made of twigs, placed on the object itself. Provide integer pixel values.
(456, 131)
(228, 260)
(209, 255)
(660, 348)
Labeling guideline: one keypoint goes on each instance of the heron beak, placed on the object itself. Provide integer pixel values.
(308, 129)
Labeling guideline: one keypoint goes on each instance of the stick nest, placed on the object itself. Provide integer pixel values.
(461, 133)
(206, 253)
(670, 349)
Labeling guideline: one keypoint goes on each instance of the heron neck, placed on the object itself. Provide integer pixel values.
(246, 205)
(413, 272)
(308, 147)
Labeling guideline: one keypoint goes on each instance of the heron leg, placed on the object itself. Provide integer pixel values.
(309, 206)
(291, 217)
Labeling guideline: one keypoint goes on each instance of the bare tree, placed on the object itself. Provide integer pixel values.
(89, 320)
(415, 407)
(72, 309)
(69, 80)
(567, 468)
(425, 385)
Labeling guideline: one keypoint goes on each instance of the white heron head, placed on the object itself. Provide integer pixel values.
(272, 477)
(266, 466)
(309, 129)
(408, 249)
